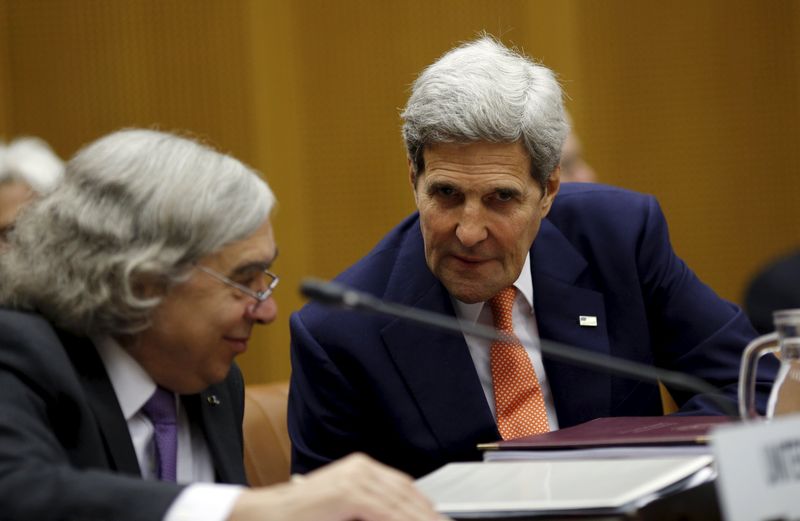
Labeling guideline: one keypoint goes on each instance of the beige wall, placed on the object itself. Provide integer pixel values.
(5, 83)
(696, 102)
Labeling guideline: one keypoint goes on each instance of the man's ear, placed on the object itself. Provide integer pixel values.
(148, 286)
(413, 177)
(551, 189)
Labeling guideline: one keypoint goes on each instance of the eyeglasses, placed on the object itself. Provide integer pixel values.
(265, 278)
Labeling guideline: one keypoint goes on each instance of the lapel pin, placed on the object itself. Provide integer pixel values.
(212, 400)
(587, 321)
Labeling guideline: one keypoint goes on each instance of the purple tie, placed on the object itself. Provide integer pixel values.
(160, 408)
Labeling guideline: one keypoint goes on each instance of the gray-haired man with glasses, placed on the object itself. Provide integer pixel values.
(126, 294)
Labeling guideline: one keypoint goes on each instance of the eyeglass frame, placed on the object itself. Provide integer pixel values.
(260, 296)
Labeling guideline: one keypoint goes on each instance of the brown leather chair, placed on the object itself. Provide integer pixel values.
(267, 450)
(667, 402)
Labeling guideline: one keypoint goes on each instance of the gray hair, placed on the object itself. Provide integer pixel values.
(31, 160)
(482, 90)
(135, 206)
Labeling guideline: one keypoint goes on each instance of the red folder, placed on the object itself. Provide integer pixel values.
(619, 431)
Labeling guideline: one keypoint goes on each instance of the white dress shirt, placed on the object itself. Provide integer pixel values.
(524, 320)
(203, 500)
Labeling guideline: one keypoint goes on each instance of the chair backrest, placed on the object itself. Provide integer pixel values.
(267, 449)
(667, 402)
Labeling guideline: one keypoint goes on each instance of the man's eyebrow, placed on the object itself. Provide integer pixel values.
(259, 265)
(511, 190)
(435, 185)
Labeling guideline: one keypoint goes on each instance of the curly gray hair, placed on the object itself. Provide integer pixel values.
(482, 90)
(134, 206)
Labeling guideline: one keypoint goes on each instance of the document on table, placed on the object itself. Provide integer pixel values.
(598, 453)
(508, 488)
(625, 431)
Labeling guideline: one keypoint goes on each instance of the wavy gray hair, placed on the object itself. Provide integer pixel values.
(135, 206)
(482, 90)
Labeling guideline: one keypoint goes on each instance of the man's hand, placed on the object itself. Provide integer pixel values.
(355, 487)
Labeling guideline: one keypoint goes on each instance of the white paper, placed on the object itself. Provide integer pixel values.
(554, 486)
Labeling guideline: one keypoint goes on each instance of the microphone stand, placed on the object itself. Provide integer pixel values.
(339, 295)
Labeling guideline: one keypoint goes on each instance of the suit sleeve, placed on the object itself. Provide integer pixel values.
(38, 482)
(324, 416)
(693, 330)
(46, 427)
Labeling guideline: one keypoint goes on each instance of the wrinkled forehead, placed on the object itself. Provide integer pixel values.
(481, 156)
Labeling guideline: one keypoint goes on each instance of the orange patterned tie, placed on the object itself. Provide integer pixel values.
(517, 393)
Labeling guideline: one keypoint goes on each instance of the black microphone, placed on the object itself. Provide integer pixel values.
(339, 295)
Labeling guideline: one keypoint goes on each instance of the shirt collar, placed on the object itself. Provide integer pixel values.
(132, 385)
(524, 284)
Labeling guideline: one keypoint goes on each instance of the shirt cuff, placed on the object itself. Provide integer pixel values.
(204, 502)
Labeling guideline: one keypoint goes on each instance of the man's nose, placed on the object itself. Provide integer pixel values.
(471, 228)
(263, 312)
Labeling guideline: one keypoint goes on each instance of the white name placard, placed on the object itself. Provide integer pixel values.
(759, 469)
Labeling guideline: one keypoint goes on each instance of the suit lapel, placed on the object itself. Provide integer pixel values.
(214, 409)
(435, 365)
(579, 394)
(103, 402)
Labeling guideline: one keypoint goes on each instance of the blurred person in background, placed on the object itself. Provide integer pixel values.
(27, 167)
(776, 286)
(574, 167)
(126, 294)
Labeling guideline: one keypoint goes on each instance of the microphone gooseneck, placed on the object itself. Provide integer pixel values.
(337, 294)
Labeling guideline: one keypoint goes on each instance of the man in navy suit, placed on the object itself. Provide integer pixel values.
(126, 295)
(586, 265)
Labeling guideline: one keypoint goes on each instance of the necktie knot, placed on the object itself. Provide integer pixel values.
(160, 408)
(501, 305)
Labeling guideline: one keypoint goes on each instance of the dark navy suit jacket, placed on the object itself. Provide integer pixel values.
(410, 396)
(65, 449)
